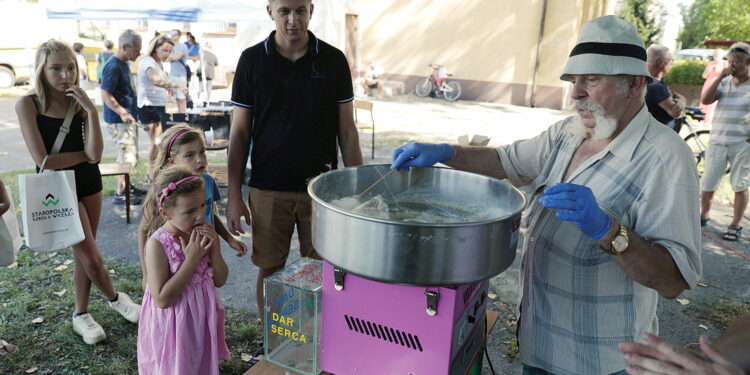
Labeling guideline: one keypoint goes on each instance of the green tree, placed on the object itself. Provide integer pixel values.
(716, 20)
(640, 13)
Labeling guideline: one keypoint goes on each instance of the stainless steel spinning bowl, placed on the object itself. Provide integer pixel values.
(416, 253)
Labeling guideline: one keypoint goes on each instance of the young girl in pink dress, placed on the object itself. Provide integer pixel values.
(181, 328)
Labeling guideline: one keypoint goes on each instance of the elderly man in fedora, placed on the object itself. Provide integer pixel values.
(604, 237)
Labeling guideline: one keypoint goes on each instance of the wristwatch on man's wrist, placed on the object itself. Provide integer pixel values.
(620, 243)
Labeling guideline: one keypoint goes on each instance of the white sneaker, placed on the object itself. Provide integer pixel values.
(126, 307)
(88, 328)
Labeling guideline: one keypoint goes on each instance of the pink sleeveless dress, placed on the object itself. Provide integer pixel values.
(187, 337)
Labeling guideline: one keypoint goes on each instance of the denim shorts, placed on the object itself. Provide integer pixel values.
(149, 114)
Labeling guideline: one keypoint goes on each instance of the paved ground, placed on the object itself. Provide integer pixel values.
(726, 265)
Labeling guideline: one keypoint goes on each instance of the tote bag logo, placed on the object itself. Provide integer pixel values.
(50, 199)
(51, 210)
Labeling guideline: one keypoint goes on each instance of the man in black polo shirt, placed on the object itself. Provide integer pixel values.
(293, 98)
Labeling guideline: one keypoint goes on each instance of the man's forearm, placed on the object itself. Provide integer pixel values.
(735, 343)
(710, 95)
(649, 264)
(238, 152)
(482, 160)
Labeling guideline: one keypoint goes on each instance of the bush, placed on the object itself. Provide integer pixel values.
(686, 72)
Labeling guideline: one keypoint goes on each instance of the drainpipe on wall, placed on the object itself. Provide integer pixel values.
(532, 99)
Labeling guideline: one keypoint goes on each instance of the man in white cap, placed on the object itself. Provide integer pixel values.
(604, 237)
(730, 134)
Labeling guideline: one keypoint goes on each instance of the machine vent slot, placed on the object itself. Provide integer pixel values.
(470, 290)
(383, 332)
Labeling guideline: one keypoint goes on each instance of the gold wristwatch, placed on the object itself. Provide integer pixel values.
(620, 243)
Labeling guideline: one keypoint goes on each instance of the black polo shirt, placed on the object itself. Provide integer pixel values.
(295, 107)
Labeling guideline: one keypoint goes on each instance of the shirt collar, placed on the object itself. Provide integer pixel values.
(313, 44)
(623, 146)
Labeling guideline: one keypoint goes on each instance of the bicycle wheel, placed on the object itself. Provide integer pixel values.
(698, 142)
(454, 93)
(423, 87)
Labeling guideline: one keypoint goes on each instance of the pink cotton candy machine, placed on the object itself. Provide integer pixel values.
(407, 263)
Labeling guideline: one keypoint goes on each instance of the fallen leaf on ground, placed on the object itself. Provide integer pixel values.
(682, 301)
(68, 261)
(61, 268)
(7, 348)
(492, 295)
(246, 357)
(13, 265)
(703, 285)
(112, 271)
(703, 326)
(60, 293)
(37, 320)
(32, 370)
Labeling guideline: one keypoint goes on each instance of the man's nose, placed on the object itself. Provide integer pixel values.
(577, 91)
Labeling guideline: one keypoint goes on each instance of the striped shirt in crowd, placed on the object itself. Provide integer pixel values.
(730, 123)
(576, 303)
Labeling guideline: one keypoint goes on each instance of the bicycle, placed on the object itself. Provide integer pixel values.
(438, 85)
(697, 140)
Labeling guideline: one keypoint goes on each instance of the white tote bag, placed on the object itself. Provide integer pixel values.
(50, 210)
(10, 237)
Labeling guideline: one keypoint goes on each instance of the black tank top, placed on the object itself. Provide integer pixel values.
(50, 126)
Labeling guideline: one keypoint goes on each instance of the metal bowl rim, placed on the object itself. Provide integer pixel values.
(426, 225)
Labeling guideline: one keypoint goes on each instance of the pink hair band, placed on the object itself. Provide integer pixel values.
(174, 137)
(170, 188)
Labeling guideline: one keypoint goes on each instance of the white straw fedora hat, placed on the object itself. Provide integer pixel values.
(607, 45)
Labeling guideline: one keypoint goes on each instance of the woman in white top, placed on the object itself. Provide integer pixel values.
(153, 90)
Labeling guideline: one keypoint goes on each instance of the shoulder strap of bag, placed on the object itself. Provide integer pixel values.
(64, 129)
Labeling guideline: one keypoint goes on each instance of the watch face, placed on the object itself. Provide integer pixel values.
(620, 243)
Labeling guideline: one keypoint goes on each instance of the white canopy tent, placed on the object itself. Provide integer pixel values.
(164, 10)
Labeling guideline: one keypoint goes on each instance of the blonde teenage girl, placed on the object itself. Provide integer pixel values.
(40, 115)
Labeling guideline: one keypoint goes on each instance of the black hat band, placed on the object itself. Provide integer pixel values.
(610, 49)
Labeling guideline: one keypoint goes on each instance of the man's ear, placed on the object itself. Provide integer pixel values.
(312, 7)
(269, 11)
(637, 84)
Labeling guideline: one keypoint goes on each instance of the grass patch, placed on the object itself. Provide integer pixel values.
(721, 312)
(27, 293)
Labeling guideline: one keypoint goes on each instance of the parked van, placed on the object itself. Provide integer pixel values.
(703, 54)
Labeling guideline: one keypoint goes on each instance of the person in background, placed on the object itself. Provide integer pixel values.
(120, 108)
(373, 79)
(208, 65)
(294, 133)
(710, 74)
(663, 104)
(604, 238)
(41, 114)
(82, 66)
(729, 138)
(153, 88)
(178, 73)
(193, 63)
(102, 58)
(728, 355)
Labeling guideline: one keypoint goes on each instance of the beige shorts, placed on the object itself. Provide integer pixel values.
(717, 157)
(126, 138)
(182, 80)
(275, 214)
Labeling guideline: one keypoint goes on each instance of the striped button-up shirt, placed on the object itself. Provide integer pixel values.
(730, 122)
(576, 302)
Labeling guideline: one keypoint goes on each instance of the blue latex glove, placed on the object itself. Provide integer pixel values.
(415, 154)
(578, 205)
